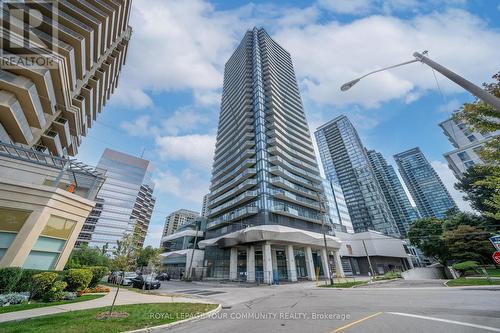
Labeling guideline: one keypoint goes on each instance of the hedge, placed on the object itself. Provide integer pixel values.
(25, 282)
(42, 284)
(98, 272)
(78, 278)
(9, 276)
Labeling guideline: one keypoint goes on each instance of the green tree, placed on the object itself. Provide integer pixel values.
(125, 256)
(87, 256)
(148, 256)
(485, 118)
(467, 242)
(476, 194)
(453, 221)
(426, 234)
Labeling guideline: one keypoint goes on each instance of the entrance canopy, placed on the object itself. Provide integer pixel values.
(272, 233)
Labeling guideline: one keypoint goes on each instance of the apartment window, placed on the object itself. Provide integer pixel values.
(49, 245)
(11, 221)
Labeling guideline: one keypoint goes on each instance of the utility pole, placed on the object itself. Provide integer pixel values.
(368, 257)
(194, 247)
(327, 259)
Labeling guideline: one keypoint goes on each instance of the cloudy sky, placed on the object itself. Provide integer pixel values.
(167, 103)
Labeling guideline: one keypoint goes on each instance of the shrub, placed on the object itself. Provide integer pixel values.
(69, 295)
(56, 292)
(98, 272)
(25, 283)
(8, 278)
(42, 283)
(466, 266)
(13, 298)
(78, 278)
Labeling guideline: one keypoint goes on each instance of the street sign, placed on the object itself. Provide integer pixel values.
(496, 257)
(495, 240)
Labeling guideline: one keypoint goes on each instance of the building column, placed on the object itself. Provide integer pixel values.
(338, 264)
(410, 262)
(250, 264)
(233, 264)
(290, 264)
(324, 262)
(311, 273)
(267, 264)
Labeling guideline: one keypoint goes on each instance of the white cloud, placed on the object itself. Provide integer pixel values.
(449, 181)
(138, 127)
(196, 149)
(347, 6)
(188, 185)
(450, 106)
(330, 54)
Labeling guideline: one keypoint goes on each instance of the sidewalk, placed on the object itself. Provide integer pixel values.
(124, 297)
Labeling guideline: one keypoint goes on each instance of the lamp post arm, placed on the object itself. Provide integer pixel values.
(390, 67)
(467, 85)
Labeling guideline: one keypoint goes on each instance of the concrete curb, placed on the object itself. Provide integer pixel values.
(180, 322)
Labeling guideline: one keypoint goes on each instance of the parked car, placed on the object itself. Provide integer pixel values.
(163, 277)
(147, 282)
(116, 277)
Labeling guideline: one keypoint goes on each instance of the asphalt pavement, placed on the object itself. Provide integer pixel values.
(397, 306)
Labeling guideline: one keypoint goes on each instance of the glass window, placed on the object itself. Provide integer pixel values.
(12, 219)
(58, 227)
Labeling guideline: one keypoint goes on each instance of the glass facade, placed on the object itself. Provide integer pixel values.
(125, 201)
(426, 188)
(338, 213)
(264, 170)
(346, 163)
(395, 195)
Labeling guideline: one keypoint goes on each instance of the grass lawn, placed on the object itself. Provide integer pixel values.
(33, 305)
(471, 282)
(349, 284)
(83, 321)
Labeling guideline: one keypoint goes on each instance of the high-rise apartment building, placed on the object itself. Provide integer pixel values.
(467, 144)
(426, 188)
(204, 207)
(124, 203)
(337, 211)
(402, 211)
(265, 216)
(59, 64)
(178, 218)
(345, 162)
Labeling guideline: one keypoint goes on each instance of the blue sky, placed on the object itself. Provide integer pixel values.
(166, 106)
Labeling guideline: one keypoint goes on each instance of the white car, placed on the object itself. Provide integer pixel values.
(127, 278)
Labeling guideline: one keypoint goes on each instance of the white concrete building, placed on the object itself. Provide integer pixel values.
(467, 144)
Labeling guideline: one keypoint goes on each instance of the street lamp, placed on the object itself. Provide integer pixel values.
(467, 85)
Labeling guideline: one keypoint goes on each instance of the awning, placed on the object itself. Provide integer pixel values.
(272, 233)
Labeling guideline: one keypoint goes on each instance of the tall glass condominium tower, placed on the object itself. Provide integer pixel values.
(125, 201)
(345, 162)
(427, 189)
(264, 170)
(395, 195)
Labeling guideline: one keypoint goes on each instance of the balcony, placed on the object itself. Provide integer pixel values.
(13, 119)
(61, 125)
(249, 183)
(288, 196)
(232, 216)
(236, 201)
(51, 140)
(279, 171)
(285, 184)
(290, 211)
(242, 176)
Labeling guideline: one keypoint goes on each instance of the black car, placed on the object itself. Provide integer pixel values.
(147, 282)
(163, 277)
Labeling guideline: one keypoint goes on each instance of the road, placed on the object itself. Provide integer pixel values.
(395, 307)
